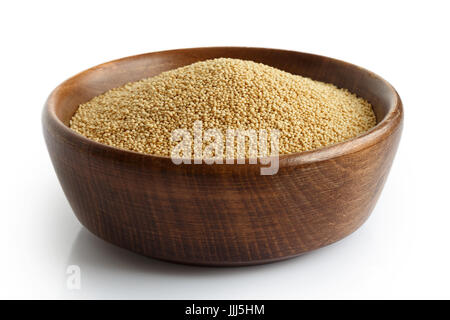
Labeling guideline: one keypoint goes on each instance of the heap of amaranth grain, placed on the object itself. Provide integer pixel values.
(224, 94)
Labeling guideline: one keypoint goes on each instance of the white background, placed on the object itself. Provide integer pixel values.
(402, 251)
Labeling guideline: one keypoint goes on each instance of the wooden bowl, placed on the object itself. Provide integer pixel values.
(222, 215)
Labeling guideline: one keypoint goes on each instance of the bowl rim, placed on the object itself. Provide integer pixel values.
(391, 121)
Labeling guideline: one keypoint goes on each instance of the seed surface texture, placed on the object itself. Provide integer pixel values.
(223, 94)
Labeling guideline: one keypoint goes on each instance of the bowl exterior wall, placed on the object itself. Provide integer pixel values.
(220, 214)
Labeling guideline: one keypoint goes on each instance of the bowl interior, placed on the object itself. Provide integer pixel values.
(94, 81)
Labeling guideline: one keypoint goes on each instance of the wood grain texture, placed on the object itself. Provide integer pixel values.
(222, 215)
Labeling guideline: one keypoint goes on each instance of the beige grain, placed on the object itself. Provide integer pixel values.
(224, 94)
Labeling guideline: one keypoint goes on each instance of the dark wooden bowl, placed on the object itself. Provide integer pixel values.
(222, 215)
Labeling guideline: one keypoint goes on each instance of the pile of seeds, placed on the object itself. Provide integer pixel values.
(224, 94)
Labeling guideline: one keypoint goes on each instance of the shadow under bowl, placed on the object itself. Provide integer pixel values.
(222, 215)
